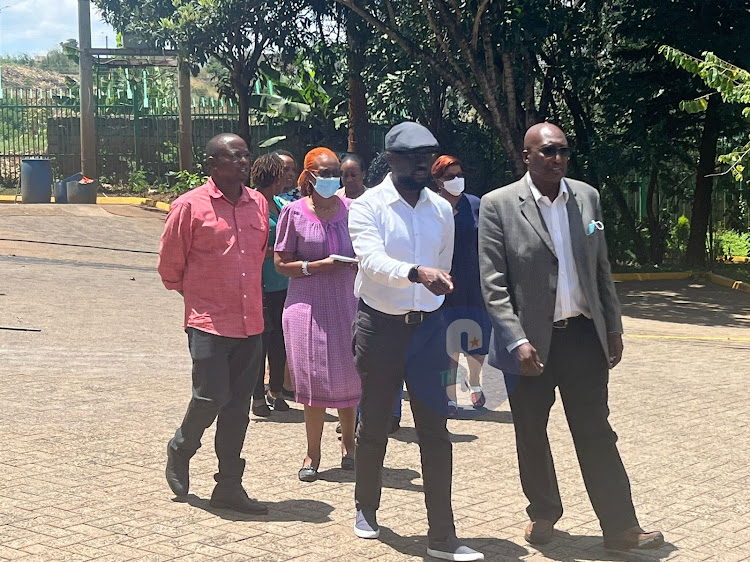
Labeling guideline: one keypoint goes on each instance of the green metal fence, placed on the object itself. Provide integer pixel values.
(133, 132)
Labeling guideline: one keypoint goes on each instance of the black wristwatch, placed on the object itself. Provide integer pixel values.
(413, 274)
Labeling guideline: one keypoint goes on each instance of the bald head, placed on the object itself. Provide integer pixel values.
(217, 144)
(537, 133)
(228, 162)
(546, 152)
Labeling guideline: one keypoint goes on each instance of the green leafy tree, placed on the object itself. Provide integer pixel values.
(486, 51)
(729, 81)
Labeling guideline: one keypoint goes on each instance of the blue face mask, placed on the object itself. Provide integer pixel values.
(327, 187)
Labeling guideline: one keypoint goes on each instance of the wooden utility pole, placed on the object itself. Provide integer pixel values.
(86, 66)
(185, 141)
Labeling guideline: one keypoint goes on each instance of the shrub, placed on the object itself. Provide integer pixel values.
(732, 243)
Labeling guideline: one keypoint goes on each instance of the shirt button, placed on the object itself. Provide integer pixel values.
(243, 274)
(242, 251)
(239, 230)
(245, 317)
(244, 296)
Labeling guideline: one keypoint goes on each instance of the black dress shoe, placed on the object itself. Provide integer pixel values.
(278, 404)
(539, 531)
(261, 409)
(235, 497)
(178, 471)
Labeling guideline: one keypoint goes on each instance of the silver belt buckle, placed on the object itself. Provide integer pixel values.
(414, 317)
(560, 324)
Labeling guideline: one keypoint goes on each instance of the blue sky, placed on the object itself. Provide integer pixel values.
(36, 26)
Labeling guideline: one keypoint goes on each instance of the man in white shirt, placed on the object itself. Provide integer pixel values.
(403, 236)
(548, 288)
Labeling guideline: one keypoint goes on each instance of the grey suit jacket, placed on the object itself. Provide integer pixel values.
(518, 267)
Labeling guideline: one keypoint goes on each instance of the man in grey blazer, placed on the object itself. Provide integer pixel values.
(547, 284)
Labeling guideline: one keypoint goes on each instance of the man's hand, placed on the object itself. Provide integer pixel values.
(437, 281)
(614, 342)
(531, 365)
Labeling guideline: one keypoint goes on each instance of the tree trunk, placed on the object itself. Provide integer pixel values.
(243, 106)
(696, 248)
(656, 232)
(360, 137)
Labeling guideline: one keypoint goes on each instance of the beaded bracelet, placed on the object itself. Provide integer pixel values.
(304, 269)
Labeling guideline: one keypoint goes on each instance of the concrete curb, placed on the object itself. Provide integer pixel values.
(144, 201)
(729, 283)
(679, 275)
(662, 276)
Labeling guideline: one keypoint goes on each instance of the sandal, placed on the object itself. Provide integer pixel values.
(452, 409)
(479, 402)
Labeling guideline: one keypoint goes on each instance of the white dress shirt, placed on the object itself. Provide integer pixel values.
(569, 300)
(390, 237)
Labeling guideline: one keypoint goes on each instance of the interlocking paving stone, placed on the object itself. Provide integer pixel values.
(90, 402)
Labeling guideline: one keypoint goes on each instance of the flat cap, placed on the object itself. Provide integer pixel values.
(409, 136)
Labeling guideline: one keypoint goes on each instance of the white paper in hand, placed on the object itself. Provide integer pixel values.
(344, 259)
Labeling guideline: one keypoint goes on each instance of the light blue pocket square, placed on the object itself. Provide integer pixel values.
(594, 226)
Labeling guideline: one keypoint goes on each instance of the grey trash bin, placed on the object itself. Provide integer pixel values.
(82, 192)
(36, 180)
(61, 187)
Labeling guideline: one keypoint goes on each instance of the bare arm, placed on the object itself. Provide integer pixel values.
(288, 264)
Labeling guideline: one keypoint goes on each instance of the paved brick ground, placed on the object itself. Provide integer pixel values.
(89, 403)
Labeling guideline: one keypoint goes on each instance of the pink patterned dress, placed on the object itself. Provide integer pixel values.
(319, 309)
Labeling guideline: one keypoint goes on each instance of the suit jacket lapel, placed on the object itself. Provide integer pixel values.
(574, 207)
(530, 210)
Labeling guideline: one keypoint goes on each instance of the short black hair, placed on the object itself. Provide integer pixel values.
(267, 170)
(377, 171)
(351, 156)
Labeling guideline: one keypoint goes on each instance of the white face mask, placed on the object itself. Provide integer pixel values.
(455, 186)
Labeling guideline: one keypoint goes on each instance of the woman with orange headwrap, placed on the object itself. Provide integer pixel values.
(313, 248)
(466, 297)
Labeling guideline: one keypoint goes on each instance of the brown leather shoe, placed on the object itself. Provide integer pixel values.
(539, 531)
(634, 538)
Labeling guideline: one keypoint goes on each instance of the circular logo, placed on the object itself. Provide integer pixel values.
(447, 364)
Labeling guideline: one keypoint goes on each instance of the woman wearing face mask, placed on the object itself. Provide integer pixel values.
(467, 293)
(320, 305)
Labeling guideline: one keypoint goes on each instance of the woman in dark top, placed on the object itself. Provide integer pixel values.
(467, 294)
(267, 173)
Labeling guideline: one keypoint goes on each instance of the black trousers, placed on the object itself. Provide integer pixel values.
(224, 373)
(380, 345)
(578, 367)
(273, 345)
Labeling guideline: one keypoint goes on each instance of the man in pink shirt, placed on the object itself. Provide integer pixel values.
(212, 252)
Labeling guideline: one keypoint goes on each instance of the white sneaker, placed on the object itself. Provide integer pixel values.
(366, 525)
(452, 549)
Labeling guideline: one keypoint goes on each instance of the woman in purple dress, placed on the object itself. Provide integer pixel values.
(320, 305)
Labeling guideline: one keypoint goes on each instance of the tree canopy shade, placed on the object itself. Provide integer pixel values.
(485, 50)
(237, 33)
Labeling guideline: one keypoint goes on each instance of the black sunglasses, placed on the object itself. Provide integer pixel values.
(552, 151)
